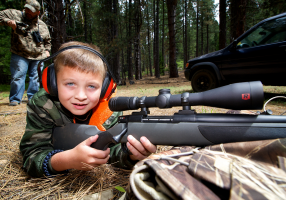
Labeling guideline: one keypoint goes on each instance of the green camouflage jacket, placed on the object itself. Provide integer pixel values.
(43, 114)
(25, 46)
(242, 170)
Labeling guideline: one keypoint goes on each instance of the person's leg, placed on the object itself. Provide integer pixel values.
(33, 78)
(18, 68)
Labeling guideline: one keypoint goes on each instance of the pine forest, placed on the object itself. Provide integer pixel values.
(144, 37)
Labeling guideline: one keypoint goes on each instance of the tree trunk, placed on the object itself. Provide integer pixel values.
(115, 64)
(129, 58)
(197, 39)
(163, 38)
(222, 24)
(111, 24)
(207, 50)
(57, 29)
(149, 46)
(237, 18)
(202, 34)
(70, 25)
(137, 40)
(156, 38)
(85, 21)
(123, 70)
(157, 66)
(185, 34)
(171, 5)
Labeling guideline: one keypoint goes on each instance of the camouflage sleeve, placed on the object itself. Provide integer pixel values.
(36, 142)
(46, 37)
(7, 15)
(119, 154)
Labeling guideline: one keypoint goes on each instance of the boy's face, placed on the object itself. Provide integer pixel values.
(78, 91)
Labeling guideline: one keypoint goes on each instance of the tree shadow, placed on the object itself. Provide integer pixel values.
(268, 95)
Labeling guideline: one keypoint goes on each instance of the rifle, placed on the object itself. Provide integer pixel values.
(185, 127)
(21, 28)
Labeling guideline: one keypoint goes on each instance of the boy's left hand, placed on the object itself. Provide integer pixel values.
(140, 149)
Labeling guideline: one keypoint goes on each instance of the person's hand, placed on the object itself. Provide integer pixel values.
(81, 157)
(48, 53)
(12, 24)
(140, 150)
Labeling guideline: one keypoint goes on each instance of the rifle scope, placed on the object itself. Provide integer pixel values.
(237, 96)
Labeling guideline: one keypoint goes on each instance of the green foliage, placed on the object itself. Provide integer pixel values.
(206, 110)
(5, 54)
(5, 35)
(4, 94)
(161, 65)
(4, 91)
(180, 64)
(119, 188)
(4, 88)
(275, 89)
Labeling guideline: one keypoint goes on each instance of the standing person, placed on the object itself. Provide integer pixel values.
(30, 42)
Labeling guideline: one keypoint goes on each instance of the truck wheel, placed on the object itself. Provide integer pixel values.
(203, 80)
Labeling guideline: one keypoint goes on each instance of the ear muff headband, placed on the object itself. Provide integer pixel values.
(79, 47)
(46, 82)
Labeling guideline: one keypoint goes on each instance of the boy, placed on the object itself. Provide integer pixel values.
(79, 75)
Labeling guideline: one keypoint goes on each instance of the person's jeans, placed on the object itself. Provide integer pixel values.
(19, 67)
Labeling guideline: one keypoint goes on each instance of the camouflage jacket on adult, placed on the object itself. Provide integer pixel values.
(25, 46)
(241, 170)
(43, 114)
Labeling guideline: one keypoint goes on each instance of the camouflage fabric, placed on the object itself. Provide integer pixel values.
(33, 5)
(244, 170)
(24, 45)
(43, 114)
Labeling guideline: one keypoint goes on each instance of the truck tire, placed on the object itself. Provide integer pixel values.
(203, 80)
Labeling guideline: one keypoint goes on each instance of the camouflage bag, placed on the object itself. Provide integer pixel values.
(244, 170)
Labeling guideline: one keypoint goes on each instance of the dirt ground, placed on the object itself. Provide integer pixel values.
(14, 183)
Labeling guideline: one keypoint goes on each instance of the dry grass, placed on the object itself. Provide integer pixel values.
(14, 182)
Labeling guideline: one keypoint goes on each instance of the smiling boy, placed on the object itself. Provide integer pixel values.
(79, 75)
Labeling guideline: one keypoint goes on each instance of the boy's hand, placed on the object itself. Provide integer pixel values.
(140, 150)
(83, 153)
(81, 157)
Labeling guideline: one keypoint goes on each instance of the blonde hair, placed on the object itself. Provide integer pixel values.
(80, 59)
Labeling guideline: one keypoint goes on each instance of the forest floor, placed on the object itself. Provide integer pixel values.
(15, 184)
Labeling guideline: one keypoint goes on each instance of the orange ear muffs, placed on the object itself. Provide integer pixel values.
(108, 87)
(49, 80)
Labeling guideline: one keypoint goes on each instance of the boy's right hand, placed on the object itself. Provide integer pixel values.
(81, 157)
